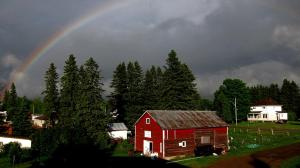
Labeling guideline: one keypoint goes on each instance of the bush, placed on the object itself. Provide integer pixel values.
(14, 152)
(292, 116)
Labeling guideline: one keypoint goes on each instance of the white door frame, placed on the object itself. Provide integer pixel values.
(146, 147)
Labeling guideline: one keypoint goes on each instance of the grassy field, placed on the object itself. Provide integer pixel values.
(247, 138)
(4, 163)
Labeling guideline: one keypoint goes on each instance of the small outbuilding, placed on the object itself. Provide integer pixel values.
(170, 133)
(118, 131)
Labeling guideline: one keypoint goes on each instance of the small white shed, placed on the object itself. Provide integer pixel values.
(118, 131)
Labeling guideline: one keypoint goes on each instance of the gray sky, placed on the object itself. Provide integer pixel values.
(257, 41)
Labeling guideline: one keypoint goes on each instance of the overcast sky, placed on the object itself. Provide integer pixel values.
(257, 41)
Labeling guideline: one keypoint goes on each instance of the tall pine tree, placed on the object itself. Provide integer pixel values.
(178, 90)
(22, 119)
(91, 115)
(69, 94)
(12, 103)
(119, 84)
(134, 104)
(51, 95)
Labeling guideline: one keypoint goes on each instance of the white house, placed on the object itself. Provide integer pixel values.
(25, 143)
(118, 131)
(39, 120)
(267, 110)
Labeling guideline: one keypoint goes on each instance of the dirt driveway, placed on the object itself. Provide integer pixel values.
(264, 159)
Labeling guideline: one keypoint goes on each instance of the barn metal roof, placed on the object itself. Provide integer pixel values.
(117, 127)
(177, 119)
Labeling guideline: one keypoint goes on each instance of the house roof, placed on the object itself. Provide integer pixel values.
(177, 119)
(267, 101)
(42, 117)
(117, 127)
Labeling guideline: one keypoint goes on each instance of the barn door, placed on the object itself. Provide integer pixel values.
(148, 147)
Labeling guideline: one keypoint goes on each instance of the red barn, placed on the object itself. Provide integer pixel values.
(171, 133)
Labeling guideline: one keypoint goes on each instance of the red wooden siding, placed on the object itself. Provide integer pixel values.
(156, 134)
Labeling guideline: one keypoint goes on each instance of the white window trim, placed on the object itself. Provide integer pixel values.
(147, 120)
(182, 144)
(147, 134)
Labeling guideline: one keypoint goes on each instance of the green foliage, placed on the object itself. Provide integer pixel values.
(179, 90)
(233, 89)
(14, 152)
(290, 96)
(119, 84)
(37, 106)
(134, 103)
(292, 116)
(222, 105)
(12, 103)
(51, 95)
(22, 119)
(69, 94)
(5, 100)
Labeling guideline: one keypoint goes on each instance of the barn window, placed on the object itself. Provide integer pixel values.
(205, 139)
(147, 120)
(182, 144)
(147, 134)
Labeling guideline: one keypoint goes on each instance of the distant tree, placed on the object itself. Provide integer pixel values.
(51, 95)
(178, 90)
(274, 92)
(206, 104)
(22, 119)
(290, 97)
(37, 106)
(91, 115)
(223, 107)
(134, 104)
(119, 84)
(12, 103)
(235, 88)
(5, 100)
(69, 94)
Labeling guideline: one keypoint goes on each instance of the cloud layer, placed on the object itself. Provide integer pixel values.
(258, 42)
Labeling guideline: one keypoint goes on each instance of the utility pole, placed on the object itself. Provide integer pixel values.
(235, 111)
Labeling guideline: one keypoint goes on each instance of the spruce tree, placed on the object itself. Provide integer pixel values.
(69, 94)
(91, 116)
(22, 120)
(290, 97)
(178, 90)
(12, 103)
(51, 95)
(134, 104)
(5, 100)
(119, 84)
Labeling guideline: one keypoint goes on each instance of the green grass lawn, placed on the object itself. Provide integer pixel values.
(4, 163)
(241, 138)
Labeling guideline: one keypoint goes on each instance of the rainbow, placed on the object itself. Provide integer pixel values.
(59, 35)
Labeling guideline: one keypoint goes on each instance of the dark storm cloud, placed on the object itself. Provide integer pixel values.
(256, 41)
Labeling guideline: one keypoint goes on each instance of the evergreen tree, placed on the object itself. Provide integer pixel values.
(12, 103)
(178, 91)
(152, 88)
(222, 105)
(69, 94)
(91, 116)
(22, 119)
(51, 95)
(5, 100)
(274, 92)
(290, 97)
(119, 84)
(134, 104)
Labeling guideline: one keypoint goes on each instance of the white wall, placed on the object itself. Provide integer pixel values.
(270, 110)
(25, 143)
(119, 134)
